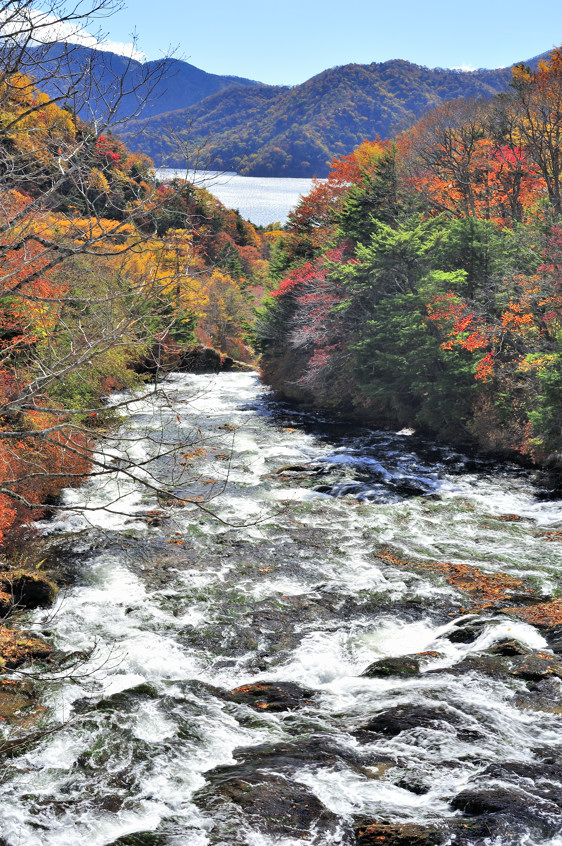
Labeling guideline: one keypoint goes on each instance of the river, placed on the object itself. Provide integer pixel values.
(261, 200)
(226, 700)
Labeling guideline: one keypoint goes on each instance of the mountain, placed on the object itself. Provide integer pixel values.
(266, 130)
(144, 89)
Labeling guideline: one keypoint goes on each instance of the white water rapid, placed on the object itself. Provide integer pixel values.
(290, 590)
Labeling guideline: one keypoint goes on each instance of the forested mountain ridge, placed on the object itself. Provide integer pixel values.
(280, 131)
(176, 84)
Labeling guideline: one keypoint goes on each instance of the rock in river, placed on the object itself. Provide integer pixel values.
(272, 696)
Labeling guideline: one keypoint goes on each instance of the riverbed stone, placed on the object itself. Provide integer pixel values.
(509, 648)
(122, 701)
(554, 640)
(543, 779)
(467, 632)
(507, 811)
(537, 666)
(495, 666)
(302, 469)
(408, 834)
(286, 758)
(543, 695)
(394, 721)
(404, 665)
(272, 696)
(268, 802)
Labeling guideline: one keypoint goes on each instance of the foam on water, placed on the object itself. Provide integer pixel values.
(168, 627)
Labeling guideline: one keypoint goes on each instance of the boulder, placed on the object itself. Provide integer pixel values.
(537, 666)
(269, 802)
(407, 717)
(141, 838)
(272, 696)
(405, 665)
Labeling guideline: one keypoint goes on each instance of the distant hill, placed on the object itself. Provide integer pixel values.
(266, 130)
(175, 84)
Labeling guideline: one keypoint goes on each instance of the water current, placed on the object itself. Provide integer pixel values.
(225, 701)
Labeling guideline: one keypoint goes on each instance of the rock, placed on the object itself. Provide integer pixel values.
(288, 758)
(16, 648)
(312, 469)
(405, 665)
(406, 717)
(467, 633)
(414, 785)
(202, 359)
(543, 780)
(507, 808)
(242, 367)
(409, 834)
(271, 803)
(486, 801)
(508, 648)
(544, 695)
(272, 696)
(554, 640)
(123, 700)
(490, 665)
(537, 666)
(169, 355)
(508, 813)
(28, 590)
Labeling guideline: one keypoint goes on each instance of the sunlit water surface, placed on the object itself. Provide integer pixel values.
(259, 199)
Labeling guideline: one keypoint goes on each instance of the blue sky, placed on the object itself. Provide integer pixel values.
(288, 41)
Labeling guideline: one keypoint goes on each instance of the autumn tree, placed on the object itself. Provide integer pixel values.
(535, 110)
(83, 288)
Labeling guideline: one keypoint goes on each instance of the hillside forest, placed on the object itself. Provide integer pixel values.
(420, 285)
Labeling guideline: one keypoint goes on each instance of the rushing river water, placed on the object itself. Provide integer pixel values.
(184, 609)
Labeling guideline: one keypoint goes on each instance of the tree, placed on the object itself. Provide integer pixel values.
(535, 110)
(83, 290)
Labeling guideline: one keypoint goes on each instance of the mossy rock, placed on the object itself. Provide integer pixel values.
(404, 665)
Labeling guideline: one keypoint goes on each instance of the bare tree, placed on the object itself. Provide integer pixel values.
(82, 276)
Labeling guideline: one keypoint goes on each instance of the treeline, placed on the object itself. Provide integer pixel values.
(421, 283)
(277, 131)
(100, 266)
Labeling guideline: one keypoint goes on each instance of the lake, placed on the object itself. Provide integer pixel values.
(260, 199)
